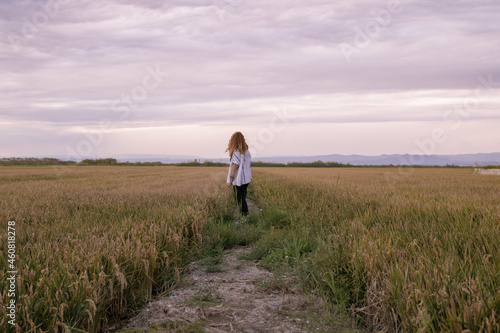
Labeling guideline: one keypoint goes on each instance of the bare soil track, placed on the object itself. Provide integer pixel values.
(240, 298)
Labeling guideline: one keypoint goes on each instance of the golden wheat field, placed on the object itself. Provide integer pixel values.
(93, 242)
(408, 250)
(414, 250)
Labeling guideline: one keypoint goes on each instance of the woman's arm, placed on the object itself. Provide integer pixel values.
(235, 170)
(233, 173)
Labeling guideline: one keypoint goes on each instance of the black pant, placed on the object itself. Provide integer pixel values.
(241, 198)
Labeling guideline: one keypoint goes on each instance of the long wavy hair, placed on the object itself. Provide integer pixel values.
(237, 142)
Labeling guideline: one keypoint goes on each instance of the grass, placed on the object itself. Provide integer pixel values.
(94, 243)
(207, 297)
(412, 251)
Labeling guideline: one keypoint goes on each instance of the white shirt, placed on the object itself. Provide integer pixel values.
(244, 173)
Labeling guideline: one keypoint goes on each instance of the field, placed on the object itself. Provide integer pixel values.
(413, 250)
(400, 250)
(94, 242)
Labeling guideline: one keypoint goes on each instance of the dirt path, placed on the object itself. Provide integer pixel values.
(240, 297)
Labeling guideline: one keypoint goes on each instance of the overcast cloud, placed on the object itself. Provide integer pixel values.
(179, 77)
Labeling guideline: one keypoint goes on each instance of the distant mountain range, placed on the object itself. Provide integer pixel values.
(481, 159)
(394, 159)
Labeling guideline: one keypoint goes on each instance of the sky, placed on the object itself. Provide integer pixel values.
(95, 79)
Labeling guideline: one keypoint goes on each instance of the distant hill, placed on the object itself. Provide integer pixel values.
(135, 158)
(481, 159)
(155, 158)
(394, 159)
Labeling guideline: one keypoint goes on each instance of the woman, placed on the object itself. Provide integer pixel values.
(240, 174)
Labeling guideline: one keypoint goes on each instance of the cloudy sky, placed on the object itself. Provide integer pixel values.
(310, 77)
